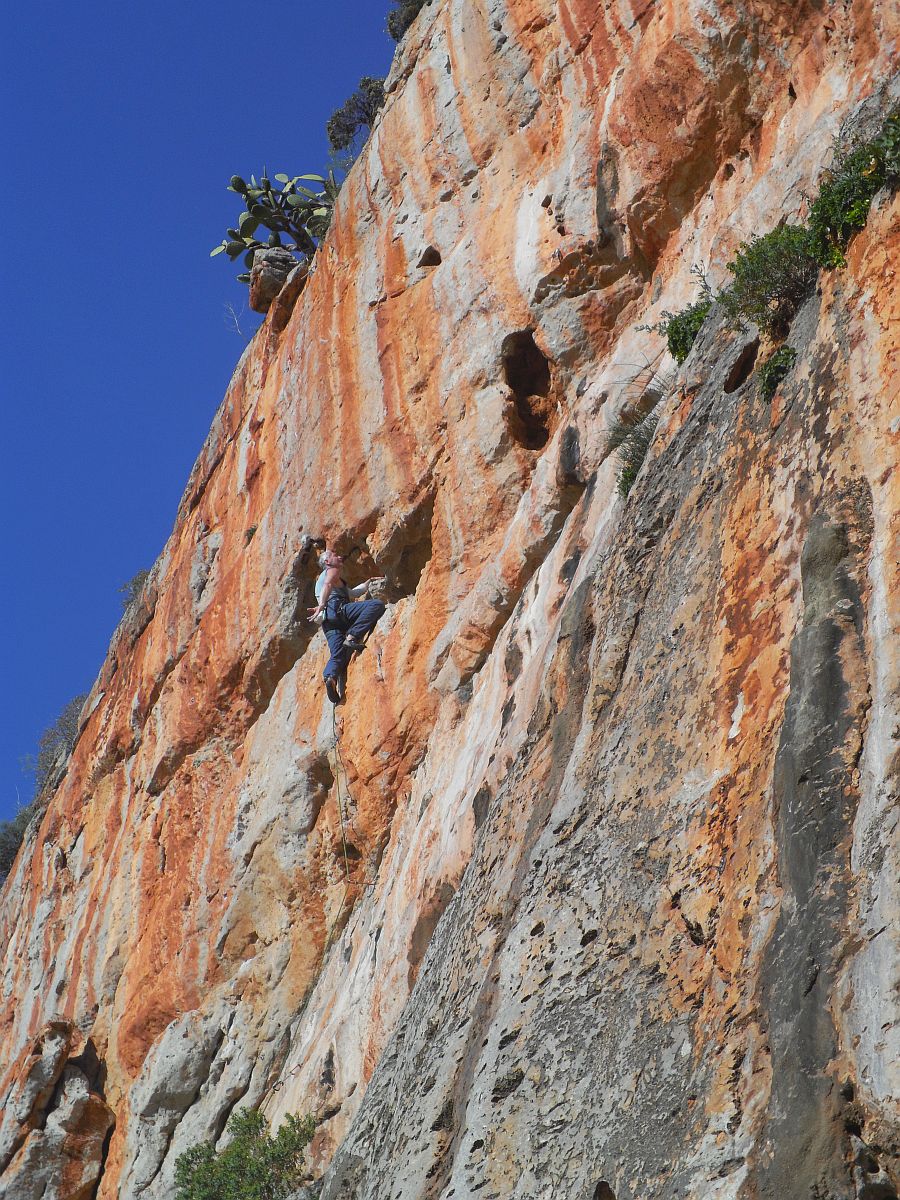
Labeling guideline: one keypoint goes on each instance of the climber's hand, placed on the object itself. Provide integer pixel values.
(315, 612)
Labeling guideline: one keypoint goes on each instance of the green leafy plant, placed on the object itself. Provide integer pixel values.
(134, 588)
(771, 277)
(11, 836)
(846, 191)
(55, 742)
(632, 429)
(356, 113)
(296, 217)
(402, 16)
(773, 370)
(630, 436)
(680, 329)
(253, 1166)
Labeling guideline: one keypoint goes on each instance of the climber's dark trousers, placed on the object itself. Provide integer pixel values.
(354, 620)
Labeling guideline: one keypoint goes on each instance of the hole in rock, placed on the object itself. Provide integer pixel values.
(792, 92)
(527, 373)
(327, 1077)
(444, 1119)
(92, 1067)
(425, 926)
(430, 257)
(319, 782)
(480, 805)
(603, 1191)
(507, 1084)
(416, 553)
(728, 170)
(512, 662)
(743, 368)
(405, 553)
(570, 566)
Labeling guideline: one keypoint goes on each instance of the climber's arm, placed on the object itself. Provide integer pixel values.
(332, 578)
(362, 589)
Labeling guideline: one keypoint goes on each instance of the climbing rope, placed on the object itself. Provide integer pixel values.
(338, 767)
(337, 780)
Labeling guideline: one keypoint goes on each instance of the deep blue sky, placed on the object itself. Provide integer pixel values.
(121, 127)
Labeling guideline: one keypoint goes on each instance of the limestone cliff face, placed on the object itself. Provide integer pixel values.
(618, 778)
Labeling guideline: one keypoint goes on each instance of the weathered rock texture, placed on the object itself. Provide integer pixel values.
(618, 779)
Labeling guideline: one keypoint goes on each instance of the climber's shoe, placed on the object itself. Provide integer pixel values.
(353, 645)
(333, 690)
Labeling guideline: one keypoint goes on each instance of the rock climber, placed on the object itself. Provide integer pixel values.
(345, 622)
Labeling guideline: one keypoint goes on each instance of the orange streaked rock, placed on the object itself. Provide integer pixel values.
(573, 901)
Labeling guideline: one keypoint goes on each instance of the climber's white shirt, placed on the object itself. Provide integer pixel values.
(341, 590)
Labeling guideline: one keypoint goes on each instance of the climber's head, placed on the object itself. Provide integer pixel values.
(328, 558)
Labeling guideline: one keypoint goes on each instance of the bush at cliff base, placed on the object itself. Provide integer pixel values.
(253, 1166)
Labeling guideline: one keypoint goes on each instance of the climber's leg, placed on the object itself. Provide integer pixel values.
(340, 654)
(361, 617)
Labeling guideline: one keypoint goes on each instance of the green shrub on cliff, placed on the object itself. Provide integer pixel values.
(774, 370)
(630, 436)
(680, 329)
(133, 589)
(356, 113)
(846, 191)
(402, 16)
(253, 1166)
(55, 743)
(771, 277)
(11, 835)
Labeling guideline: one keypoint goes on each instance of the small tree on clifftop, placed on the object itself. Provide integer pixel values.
(55, 742)
(402, 16)
(356, 113)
